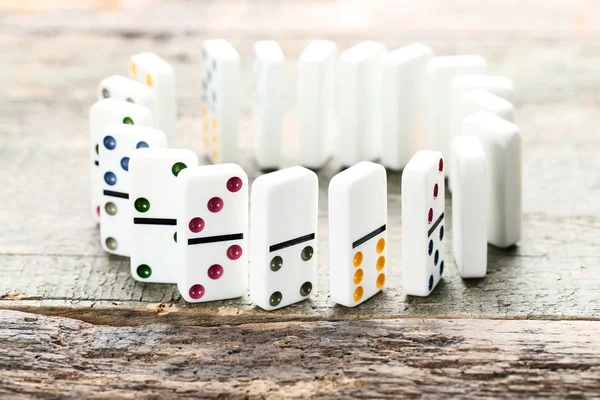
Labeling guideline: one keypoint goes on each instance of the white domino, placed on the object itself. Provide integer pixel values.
(116, 148)
(126, 89)
(104, 114)
(357, 233)
(502, 144)
(221, 92)
(153, 181)
(269, 83)
(361, 68)
(212, 232)
(423, 222)
(283, 257)
(441, 72)
(153, 71)
(472, 102)
(316, 103)
(403, 104)
(469, 206)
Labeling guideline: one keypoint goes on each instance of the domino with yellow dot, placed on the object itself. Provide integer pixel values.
(358, 233)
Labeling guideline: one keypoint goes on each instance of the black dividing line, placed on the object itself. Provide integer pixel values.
(155, 221)
(437, 222)
(292, 242)
(214, 239)
(116, 194)
(96, 162)
(368, 236)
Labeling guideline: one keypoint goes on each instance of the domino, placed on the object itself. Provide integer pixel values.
(316, 103)
(104, 114)
(423, 222)
(469, 207)
(212, 230)
(150, 69)
(269, 82)
(472, 102)
(403, 104)
(221, 88)
(118, 145)
(153, 180)
(502, 145)
(361, 68)
(357, 233)
(441, 71)
(283, 257)
(122, 88)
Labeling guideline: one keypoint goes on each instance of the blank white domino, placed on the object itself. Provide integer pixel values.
(117, 146)
(357, 233)
(423, 222)
(269, 82)
(221, 83)
(469, 206)
(104, 114)
(441, 71)
(361, 68)
(502, 144)
(316, 103)
(126, 89)
(153, 181)
(403, 104)
(283, 257)
(212, 232)
(472, 102)
(153, 71)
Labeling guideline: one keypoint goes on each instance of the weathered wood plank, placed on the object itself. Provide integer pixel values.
(62, 358)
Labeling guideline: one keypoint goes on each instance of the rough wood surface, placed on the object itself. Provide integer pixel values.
(48, 357)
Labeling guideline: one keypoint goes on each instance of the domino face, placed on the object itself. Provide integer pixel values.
(212, 229)
(423, 222)
(153, 176)
(284, 226)
(403, 105)
(361, 69)
(357, 233)
(469, 207)
(316, 103)
(122, 88)
(441, 71)
(153, 71)
(117, 146)
(221, 84)
(502, 145)
(104, 114)
(269, 82)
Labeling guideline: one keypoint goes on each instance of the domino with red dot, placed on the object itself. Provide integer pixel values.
(212, 232)
(423, 222)
(357, 233)
(153, 179)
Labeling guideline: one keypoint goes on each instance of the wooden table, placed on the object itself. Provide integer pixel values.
(74, 324)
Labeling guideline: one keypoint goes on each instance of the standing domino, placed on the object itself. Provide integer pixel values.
(501, 141)
(155, 72)
(316, 103)
(221, 83)
(104, 114)
(121, 88)
(403, 104)
(212, 230)
(469, 207)
(284, 226)
(441, 71)
(118, 144)
(269, 81)
(154, 237)
(361, 67)
(423, 222)
(357, 233)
